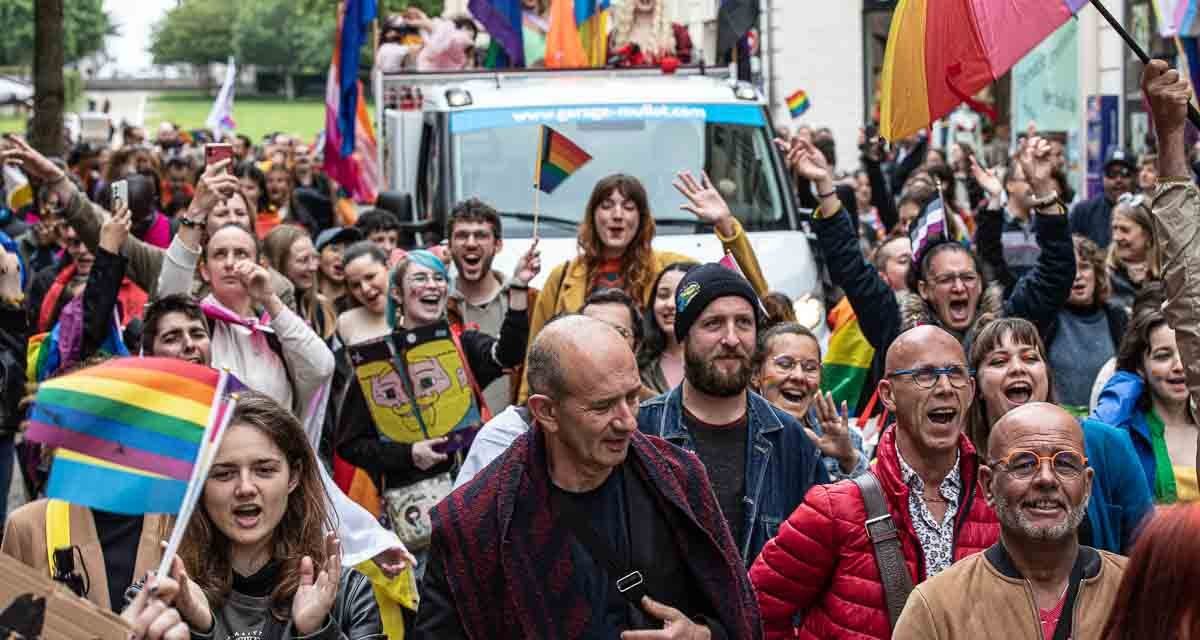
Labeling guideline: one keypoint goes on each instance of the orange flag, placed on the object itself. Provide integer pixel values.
(564, 49)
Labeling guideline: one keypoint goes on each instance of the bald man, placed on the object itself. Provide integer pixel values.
(1038, 480)
(824, 566)
(584, 527)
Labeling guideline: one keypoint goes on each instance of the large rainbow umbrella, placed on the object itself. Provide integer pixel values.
(942, 52)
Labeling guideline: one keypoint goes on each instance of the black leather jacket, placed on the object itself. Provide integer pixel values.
(355, 616)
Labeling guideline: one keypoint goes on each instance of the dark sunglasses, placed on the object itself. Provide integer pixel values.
(1119, 172)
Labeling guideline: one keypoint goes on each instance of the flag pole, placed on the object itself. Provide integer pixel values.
(1193, 114)
(537, 180)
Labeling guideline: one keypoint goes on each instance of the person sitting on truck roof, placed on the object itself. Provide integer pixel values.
(615, 239)
(645, 36)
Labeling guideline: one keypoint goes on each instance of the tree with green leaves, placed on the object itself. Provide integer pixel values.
(84, 27)
(281, 34)
(194, 32)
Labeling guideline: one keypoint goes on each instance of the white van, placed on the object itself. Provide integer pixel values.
(447, 137)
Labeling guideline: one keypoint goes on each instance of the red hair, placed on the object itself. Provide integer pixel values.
(1158, 591)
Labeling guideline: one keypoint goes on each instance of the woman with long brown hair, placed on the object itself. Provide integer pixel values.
(256, 560)
(615, 249)
(290, 251)
(1157, 597)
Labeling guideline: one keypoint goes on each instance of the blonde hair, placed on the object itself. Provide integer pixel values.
(1140, 215)
(663, 36)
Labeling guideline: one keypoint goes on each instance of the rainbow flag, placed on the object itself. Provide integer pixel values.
(558, 158)
(351, 154)
(798, 103)
(131, 433)
(848, 360)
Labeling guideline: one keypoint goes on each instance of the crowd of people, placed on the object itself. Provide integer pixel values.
(649, 445)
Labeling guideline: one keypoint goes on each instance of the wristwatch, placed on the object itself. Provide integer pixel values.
(1046, 201)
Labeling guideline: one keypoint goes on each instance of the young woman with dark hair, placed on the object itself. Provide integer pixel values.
(1148, 397)
(615, 246)
(661, 356)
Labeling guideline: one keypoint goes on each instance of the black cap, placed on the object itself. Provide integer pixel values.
(703, 284)
(344, 235)
(1122, 157)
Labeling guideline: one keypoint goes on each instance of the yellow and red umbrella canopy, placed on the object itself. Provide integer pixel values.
(941, 52)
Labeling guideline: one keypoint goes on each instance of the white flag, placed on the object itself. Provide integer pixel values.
(220, 119)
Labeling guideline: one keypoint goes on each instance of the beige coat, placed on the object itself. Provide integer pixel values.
(25, 540)
(983, 597)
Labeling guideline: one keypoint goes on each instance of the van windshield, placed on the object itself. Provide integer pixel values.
(494, 152)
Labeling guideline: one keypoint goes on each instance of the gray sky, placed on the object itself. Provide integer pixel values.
(133, 19)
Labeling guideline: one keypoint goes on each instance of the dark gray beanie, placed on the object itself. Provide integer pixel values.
(703, 284)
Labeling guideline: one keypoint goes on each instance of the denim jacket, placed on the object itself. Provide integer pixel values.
(781, 462)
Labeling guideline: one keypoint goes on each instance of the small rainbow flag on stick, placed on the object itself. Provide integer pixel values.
(558, 158)
(798, 103)
(132, 434)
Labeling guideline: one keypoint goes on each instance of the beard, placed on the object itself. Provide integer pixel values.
(1012, 518)
(485, 268)
(703, 375)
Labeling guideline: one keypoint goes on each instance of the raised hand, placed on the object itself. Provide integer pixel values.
(394, 560)
(215, 185)
(1037, 163)
(704, 201)
(115, 230)
(1168, 93)
(986, 179)
(317, 591)
(31, 160)
(256, 279)
(834, 440)
(676, 626)
(529, 266)
(424, 456)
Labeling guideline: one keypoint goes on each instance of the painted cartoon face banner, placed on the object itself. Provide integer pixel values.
(437, 387)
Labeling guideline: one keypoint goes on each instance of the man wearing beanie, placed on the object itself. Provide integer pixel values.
(758, 458)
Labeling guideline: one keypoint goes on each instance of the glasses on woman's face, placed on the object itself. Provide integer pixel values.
(926, 377)
(946, 280)
(788, 364)
(1023, 465)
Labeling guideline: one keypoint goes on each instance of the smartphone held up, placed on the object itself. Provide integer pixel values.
(216, 152)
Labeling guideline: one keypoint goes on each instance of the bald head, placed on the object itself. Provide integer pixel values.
(585, 343)
(911, 345)
(1032, 425)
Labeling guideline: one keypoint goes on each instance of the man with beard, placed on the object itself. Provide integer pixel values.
(1038, 481)
(823, 567)
(759, 460)
(479, 296)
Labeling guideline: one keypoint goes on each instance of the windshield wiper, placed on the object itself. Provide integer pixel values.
(528, 217)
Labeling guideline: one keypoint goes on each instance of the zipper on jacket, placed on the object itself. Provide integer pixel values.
(1037, 614)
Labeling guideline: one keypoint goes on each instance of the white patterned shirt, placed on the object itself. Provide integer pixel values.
(937, 540)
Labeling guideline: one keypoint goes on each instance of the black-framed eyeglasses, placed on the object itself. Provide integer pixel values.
(926, 377)
(1023, 465)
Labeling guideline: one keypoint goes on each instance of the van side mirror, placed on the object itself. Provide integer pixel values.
(398, 202)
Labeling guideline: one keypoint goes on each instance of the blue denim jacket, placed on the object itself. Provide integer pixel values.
(781, 462)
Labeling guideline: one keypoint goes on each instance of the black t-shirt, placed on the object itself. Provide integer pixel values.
(608, 515)
(119, 536)
(722, 449)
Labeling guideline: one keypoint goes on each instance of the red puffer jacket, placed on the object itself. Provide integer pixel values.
(821, 565)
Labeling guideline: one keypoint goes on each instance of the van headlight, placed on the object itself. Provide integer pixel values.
(810, 312)
(458, 98)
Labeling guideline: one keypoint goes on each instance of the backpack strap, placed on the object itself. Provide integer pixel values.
(58, 529)
(889, 556)
(456, 331)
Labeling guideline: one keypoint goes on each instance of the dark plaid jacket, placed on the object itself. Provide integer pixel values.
(504, 556)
